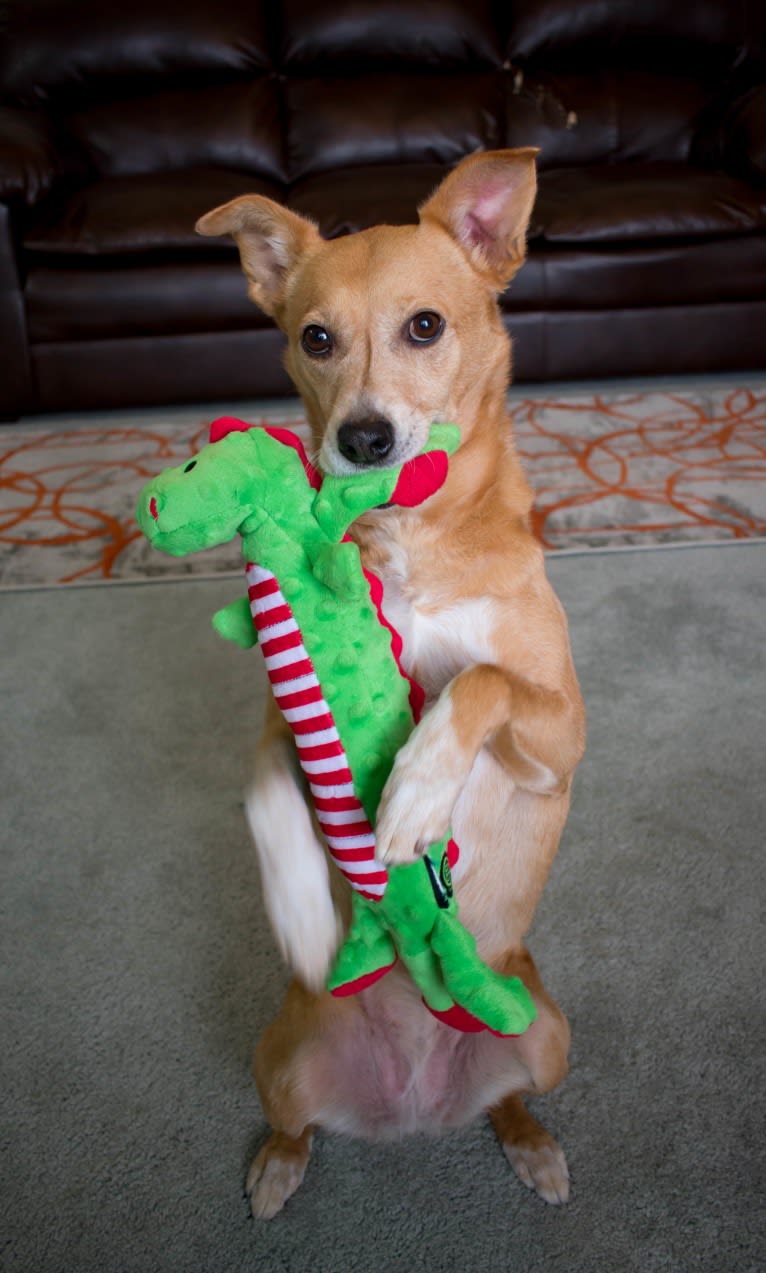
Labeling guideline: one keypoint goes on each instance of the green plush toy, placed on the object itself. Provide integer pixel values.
(333, 663)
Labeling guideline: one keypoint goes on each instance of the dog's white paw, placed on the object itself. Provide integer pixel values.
(276, 1172)
(411, 816)
(541, 1166)
(416, 806)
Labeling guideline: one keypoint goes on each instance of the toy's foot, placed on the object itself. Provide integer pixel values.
(502, 1004)
(360, 963)
(461, 1019)
(359, 983)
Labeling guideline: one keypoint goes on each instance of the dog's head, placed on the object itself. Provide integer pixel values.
(392, 328)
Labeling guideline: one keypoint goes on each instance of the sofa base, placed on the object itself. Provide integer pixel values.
(600, 344)
(559, 345)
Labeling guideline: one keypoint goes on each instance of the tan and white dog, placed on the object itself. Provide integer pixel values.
(389, 330)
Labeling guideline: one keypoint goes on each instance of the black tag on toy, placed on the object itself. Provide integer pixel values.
(441, 881)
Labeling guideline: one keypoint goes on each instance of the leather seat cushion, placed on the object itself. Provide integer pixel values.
(595, 206)
(140, 214)
(144, 213)
(91, 299)
(639, 275)
(618, 203)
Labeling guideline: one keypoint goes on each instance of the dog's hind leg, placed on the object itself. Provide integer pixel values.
(281, 1071)
(535, 1156)
(537, 1159)
(301, 1076)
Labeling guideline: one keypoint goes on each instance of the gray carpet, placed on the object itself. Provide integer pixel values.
(137, 968)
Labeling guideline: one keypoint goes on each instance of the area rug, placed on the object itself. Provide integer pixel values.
(611, 469)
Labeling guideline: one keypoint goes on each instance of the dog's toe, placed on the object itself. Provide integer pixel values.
(541, 1166)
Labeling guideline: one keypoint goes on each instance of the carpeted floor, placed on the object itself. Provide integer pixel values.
(136, 968)
(612, 466)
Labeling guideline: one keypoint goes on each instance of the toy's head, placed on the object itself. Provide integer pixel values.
(202, 502)
(244, 471)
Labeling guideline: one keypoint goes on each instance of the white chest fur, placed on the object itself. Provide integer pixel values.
(438, 641)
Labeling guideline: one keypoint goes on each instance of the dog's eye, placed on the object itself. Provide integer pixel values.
(316, 340)
(425, 327)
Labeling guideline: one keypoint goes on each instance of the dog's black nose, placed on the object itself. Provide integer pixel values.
(366, 441)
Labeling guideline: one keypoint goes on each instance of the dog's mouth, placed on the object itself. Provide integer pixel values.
(373, 435)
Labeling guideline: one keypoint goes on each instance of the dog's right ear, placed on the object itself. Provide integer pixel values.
(485, 205)
(270, 241)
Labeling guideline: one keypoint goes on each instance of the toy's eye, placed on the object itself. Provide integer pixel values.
(425, 327)
(316, 340)
(192, 464)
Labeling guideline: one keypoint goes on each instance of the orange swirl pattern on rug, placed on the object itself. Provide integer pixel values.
(609, 470)
(67, 499)
(645, 467)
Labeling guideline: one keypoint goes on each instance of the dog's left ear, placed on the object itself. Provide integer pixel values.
(485, 204)
(270, 238)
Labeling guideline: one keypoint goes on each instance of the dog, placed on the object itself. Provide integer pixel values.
(389, 330)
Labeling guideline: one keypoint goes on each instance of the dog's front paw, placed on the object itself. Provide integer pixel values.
(415, 809)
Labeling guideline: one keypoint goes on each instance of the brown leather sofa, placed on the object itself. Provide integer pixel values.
(122, 123)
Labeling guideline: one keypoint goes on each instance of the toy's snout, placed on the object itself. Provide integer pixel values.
(148, 511)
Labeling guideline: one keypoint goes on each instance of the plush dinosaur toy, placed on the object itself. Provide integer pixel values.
(333, 662)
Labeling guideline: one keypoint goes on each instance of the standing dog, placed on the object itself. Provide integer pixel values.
(389, 330)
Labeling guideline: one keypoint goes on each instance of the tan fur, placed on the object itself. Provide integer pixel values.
(483, 633)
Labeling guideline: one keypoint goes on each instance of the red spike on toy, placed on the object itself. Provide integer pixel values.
(420, 478)
(228, 424)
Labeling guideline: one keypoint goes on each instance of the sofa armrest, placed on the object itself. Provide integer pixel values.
(732, 133)
(29, 164)
(745, 136)
(16, 387)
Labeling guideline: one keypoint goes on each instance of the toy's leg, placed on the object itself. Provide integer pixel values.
(535, 1156)
(502, 1003)
(425, 968)
(366, 955)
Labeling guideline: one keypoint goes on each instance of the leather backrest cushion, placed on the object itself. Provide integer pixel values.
(234, 126)
(389, 118)
(603, 116)
(347, 35)
(678, 35)
(78, 49)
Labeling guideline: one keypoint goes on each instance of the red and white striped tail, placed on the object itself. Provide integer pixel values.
(350, 838)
